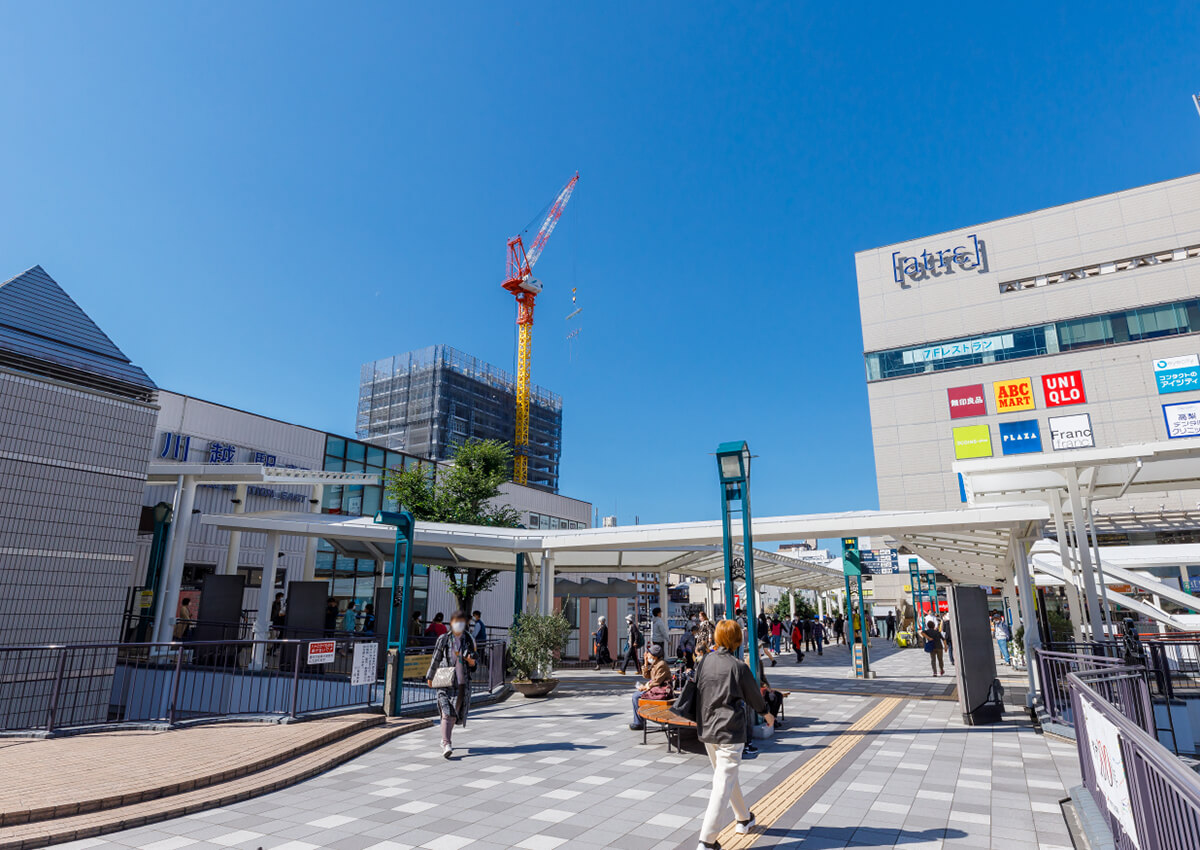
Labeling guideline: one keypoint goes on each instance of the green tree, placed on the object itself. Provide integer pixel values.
(783, 608)
(461, 493)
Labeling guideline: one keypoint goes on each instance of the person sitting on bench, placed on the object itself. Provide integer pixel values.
(657, 684)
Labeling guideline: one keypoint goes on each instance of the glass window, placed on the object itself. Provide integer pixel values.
(375, 456)
(1084, 333)
(331, 500)
(1157, 321)
(334, 464)
(355, 466)
(335, 446)
(372, 500)
(356, 451)
(352, 501)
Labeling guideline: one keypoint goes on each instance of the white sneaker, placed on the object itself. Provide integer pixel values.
(447, 751)
(744, 826)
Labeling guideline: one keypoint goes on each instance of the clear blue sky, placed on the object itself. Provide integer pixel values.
(254, 199)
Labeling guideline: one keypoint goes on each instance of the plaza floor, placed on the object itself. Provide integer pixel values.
(880, 763)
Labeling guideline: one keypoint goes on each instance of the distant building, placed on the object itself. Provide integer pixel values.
(429, 401)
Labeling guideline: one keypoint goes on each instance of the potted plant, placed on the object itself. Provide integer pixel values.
(533, 641)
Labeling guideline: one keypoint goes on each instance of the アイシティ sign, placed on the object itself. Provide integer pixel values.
(1183, 419)
(1018, 438)
(1177, 374)
(1071, 432)
(937, 263)
(972, 441)
(1063, 388)
(1013, 395)
(966, 401)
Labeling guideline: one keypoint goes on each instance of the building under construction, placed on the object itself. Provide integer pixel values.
(429, 401)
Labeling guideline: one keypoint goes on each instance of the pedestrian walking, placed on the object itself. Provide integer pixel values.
(818, 631)
(1000, 630)
(657, 685)
(278, 616)
(658, 629)
(331, 616)
(891, 626)
(947, 637)
(798, 641)
(453, 652)
(934, 646)
(350, 618)
(600, 643)
(807, 630)
(185, 623)
(839, 629)
(725, 687)
(776, 634)
(704, 634)
(635, 640)
(687, 648)
(477, 630)
(437, 627)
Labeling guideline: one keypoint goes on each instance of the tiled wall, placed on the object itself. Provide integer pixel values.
(72, 467)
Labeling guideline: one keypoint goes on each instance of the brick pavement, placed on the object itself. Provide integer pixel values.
(565, 772)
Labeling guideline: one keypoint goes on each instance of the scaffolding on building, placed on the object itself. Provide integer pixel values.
(429, 401)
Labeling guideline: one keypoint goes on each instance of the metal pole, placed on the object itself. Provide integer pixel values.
(727, 544)
(1026, 600)
(404, 534)
(233, 552)
(751, 589)
(1085, 556)
(168, 601)
(1106, 609)
(52, 709)
(863, 631)
(1060, 530)
(519, 588)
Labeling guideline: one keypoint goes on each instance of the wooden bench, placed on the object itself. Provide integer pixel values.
(671, 724)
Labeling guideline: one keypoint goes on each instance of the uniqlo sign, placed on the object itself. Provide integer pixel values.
(1063, 388)
(966, 401)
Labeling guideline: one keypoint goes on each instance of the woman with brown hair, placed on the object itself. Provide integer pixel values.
(725, 689)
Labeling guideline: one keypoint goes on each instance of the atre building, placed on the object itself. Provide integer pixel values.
(1056, 330)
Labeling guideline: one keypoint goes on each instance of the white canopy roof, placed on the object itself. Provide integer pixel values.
(251, 473)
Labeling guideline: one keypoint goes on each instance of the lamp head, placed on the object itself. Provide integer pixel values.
(733, 461)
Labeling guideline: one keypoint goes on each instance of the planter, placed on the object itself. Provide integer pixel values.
(540, 688)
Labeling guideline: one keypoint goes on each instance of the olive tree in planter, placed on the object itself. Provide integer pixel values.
(533, 640)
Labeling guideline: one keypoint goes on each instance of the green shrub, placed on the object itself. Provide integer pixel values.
(534, 639)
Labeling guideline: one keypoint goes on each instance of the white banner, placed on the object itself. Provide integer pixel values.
(1108, 766)
(1184, 362)
(364, 669)
(1183, 419)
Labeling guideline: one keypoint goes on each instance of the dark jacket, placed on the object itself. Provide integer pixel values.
(601, 635)
(635, 636)
(724, 687)
(443, 657)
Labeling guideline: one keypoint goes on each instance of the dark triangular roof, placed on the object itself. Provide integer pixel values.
(40, 324)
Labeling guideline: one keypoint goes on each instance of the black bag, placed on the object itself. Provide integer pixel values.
(687, 704)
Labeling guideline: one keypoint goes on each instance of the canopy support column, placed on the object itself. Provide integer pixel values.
(262, 618)
(1060, 530)
(792, 602)
(235, 537)
(519, 587)
(1083, 550)
(664, 601)
(310, 545)
(546, 583)
(168, 601)
(1025, 598)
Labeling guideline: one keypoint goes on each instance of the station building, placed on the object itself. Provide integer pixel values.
(1061, 329)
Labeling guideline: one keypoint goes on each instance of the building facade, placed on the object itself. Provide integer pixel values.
(1059, 329)
(428, 402)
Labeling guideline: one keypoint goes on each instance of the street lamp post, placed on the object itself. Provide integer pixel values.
(397, 636)
(163, 515)
(852, 568)
(733, 469)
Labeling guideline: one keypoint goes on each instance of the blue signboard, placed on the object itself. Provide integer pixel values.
(1194, 585)
(1019, 438)
(880, 561)
(1177, 380)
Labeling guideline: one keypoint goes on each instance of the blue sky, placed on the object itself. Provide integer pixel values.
(254, 199)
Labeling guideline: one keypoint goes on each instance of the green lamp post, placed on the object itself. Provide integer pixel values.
(397, 636)
(733, 469)
(163, 514)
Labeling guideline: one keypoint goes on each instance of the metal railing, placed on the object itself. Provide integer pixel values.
(490, 673)
(1149, 799)
(1054, 667)
(1175, 666)
(54, 688)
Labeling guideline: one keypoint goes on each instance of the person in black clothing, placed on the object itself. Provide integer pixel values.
(933, 645)
(891, 625)
(600, 641)
(331, 616)
(368, 620)
(807, 628)
(632, 651)
(277, 615)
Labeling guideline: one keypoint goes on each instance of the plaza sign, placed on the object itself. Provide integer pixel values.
(1071, 432)
(937, 263)
(1018, 438)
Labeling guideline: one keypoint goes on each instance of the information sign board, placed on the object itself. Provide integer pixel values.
(1183, 419)
(364, 668)
(1013, 395)
(321, 651)
(880, 561)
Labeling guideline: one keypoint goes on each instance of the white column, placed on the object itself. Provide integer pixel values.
(792, 602)
(664, 600)
(1083, 550)
(1021, 570)
(821, 605)
(310, 546)
(181, 526)
(1060, 530)
(546, 584)
(235, 537)
(266, 594)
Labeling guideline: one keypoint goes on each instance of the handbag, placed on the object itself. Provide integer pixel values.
(929, 646)
(443, 677)
(687, 704)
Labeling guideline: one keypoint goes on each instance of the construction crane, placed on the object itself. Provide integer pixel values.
(520, 282)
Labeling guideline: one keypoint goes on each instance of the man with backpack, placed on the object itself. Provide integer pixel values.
(635, 644)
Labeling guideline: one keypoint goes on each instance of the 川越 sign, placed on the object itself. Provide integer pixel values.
(1071, 432)
(1063, 388)
(966, 401)
(1183, 419)
(1018, 438)
(1013, 395)
(972, 441)
(1177, 374)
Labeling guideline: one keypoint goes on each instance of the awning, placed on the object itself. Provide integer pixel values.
(251, 473)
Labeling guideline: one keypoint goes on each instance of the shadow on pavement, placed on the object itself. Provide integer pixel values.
(559, 746)
(817, 837)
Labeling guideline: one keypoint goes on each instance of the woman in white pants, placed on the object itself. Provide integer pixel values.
(725, 687)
